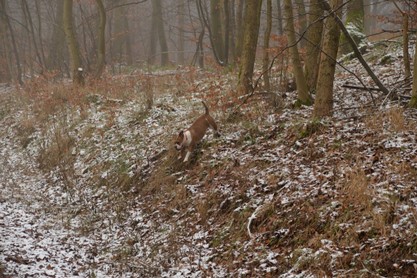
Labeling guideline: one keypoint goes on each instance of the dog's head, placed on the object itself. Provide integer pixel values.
(179, 141)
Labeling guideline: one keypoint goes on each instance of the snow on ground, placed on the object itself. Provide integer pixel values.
(97, 191)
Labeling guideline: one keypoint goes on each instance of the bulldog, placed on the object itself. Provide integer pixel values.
(187, 139)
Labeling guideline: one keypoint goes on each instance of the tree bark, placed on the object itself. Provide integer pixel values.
(157, 10)
(313, 37)
(72, 43)
(304, 97)
(358, 54)
(323, 105)
(14, 45)
(181, 37)
(239, 30)
(279, 18)
(56, 53)
(5, 71)
(413, 100)
(216, 29)
(250, 40)
(101, 50)
(267, 34)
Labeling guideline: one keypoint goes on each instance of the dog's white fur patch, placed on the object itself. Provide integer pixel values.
(187, 138)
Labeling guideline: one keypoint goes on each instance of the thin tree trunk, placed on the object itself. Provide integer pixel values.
(303, 93)
(40, 29)
(267, 34)
(313, 38)
(181, 37)
(406, 55)
(14, 45)
(56, 45)
(157, 8)
(5, 71)
(72, 43)
(279, 15)
(101, 50)
(413, 101)
(216, 29)
(239, 29)
(28, 15)
(302, 18)
(358, 54)
(250, 40)
(323, 105)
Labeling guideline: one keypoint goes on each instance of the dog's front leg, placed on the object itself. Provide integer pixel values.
(189, 150)
(187, 156)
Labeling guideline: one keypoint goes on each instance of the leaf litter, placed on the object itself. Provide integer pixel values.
(278, 194)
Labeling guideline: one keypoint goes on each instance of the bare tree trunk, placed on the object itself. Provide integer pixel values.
(239, 29)
(302, 18)
(352, 43)
(5, 71)
(157, 10)
(413, 101)
(199, 54)
(406, 55)
(216, 29)
(14, 45)
(181, 37)
(28, 16)
(101, 50)
(72, 43)
(323, 105)
(279, 18)
(304, 97)
(267, 34)
(313, 38)
(56, 53)
(250, 39)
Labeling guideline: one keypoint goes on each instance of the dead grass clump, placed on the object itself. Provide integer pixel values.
(396, 119)
(357, 192)
(26, 128)
(375, 121)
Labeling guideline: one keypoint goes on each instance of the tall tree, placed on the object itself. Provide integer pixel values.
(239, 29)
(5, 17)
(101, 50)
(72, 43)
(302, 88)
(313, 38)
(56, 46)
(250, 39)
(267, 34)
(5, 70)
(181, 33)
(158, 32)
(413, 101)
(217, 30)
(323, 105)
(279, 18)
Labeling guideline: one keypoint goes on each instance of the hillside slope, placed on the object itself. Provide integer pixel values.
(91, 184)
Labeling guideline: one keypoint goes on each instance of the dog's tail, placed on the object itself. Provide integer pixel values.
(205, 106)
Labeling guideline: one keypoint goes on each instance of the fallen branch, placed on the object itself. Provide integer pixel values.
(360, 87)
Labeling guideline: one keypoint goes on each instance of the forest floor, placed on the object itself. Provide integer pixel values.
(90, 185)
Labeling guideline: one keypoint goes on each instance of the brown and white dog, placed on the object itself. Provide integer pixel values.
(187, 139)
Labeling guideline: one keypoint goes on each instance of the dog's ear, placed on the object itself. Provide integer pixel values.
(181, 133)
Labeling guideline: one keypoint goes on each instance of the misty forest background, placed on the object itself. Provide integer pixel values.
(53, 39)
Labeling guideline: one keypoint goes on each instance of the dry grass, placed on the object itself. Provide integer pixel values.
(357, 191)
(396, 119)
